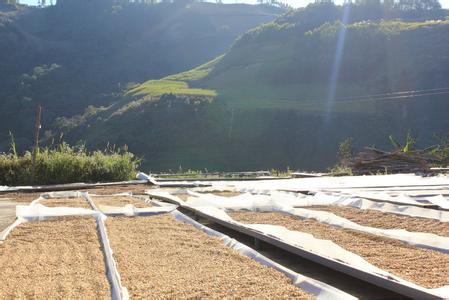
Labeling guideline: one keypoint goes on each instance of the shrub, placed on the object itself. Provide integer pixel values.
(66, 164)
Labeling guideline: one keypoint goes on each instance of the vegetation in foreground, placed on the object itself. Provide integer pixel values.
(67, 164)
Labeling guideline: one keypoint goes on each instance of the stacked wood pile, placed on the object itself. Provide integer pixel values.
(372, 161)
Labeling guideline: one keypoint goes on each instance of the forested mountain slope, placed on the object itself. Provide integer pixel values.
(80, 53)
(288, 92)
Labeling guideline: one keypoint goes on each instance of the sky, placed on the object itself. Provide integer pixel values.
(294, 3)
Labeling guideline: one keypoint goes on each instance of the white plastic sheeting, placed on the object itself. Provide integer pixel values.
(323, 248)
(399, 198)
(320, 198)
(8, 229)
(392, 188)
(311, 286)
(344, 182)
(439, 200)
(419, 239)
(152, 180)
(412, 211)
(68, 186)
(129, 209)
(314, 287)
(281, 203)
(62, 194)
(4, 188)
(39, 212)
(119, 292)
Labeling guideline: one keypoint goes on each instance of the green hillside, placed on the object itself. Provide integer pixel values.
(86, 53)
(271, 101)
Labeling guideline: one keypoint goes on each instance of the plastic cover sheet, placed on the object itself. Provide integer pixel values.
(412, 211)
(419, 239)
(217, 211)
(67, 186)
(119, 292)
(320, 183)
(297, 199)
(62, 194)
(8, 229)
(312, 286)
(129, 209)
(286, 205)
(349, 184)
(401, 198)
(323, 248)
(152, 180)
(39, 212)
(4, 188)
(439, 200)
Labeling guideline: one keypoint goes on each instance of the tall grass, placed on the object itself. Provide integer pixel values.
(66, 164)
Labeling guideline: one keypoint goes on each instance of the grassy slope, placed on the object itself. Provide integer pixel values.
(243, 86)
(100, 49)
(270, 94)
(177, 84)
(156, 88)
(265, 86)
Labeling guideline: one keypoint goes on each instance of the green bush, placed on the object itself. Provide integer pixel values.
(66, 164)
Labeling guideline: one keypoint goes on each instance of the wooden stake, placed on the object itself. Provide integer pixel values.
(37, 128)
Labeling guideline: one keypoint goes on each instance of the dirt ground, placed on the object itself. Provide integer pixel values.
(373, 218)
(61, 258)
(65, 202)
(160, 257)
(119, 201)
(427, 268)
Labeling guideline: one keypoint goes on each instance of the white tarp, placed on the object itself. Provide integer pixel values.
(412, 211)
(152, 180)
(39, 212)
(439, 200)
(69, 186)
(344, 182)
(285, 204)
(301, 200)
(319, 289)
(130, 210)
(323, 248)
(384, 187)
(4, 188)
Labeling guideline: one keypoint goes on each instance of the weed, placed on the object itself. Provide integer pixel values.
(66, 164)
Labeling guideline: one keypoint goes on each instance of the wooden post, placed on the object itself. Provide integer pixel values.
(37, 127)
